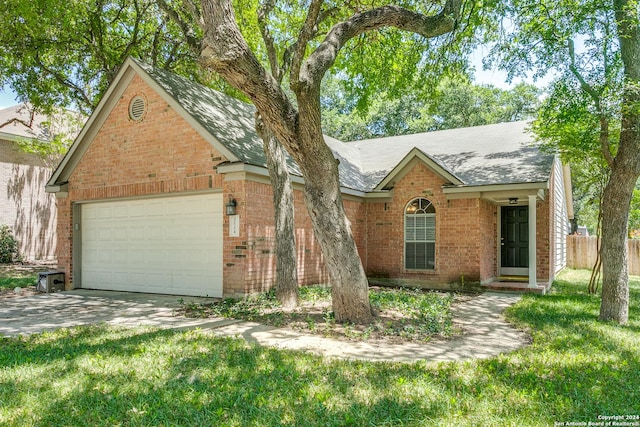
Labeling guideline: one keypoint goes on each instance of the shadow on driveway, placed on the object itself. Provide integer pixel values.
(38, 313)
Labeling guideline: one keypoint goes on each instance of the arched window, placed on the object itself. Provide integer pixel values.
(420, 235)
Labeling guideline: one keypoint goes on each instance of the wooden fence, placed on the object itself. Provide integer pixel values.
(582, 250)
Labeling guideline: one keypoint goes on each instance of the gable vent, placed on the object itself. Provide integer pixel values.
(137, 108)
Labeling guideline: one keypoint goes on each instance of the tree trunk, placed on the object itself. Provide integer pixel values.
(286, 260)
(298, 129)
(625, 170)
(350, 288)
(615, 274)
(349, 285)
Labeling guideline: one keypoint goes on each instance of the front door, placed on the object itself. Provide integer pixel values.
(514, 241)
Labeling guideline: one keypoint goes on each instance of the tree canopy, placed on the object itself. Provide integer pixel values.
(455, 102)
(65, 54)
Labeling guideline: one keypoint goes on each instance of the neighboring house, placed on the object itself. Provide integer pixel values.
(142, 195)
(24, 205)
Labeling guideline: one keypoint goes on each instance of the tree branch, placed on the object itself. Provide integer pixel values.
(28, 124)
(192, 41)
(272, 54)
(81, 96)
(306, 34)
(227, 52)
(605, 147)
(193, 10)
(325, 55)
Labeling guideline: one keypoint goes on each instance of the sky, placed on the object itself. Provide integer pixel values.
(7, 98)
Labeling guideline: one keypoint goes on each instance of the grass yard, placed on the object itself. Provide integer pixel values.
(17, 280)
(576, 370)
(17, 276)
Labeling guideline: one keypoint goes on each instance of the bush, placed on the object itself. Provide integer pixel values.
(8, 245)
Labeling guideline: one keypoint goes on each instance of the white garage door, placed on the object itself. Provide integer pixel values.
(169, 245)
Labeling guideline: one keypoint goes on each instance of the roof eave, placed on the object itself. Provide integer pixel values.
(499, 194)
(228, 168)
(12, 137)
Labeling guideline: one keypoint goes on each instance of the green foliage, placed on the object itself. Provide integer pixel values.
(579, 41)
(65, 54)
(8, 245)
(422, 315)
(634, 214)
(61, 128)
(455, 102)
(12, 282)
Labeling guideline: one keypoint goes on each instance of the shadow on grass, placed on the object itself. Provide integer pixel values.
(579, 366)
(576, 369)
(102, 375)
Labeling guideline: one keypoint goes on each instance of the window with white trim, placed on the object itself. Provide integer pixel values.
(420, 235)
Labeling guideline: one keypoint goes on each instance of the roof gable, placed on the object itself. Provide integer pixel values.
(399, 170)
(223, 121)
(483, 155)
(503, 153)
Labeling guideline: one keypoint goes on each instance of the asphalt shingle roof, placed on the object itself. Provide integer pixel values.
(39, 128)
(502, 153)
(493, 154)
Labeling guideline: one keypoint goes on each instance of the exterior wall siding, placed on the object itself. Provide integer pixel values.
(25, 207)
(559, 220)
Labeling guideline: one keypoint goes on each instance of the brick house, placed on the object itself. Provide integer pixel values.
(143, 190)
(25, 207)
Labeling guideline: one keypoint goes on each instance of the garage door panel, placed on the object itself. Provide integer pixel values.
(120, 233)
(103, 212)
(168, 245)
(154, 231)
(121, 211)
(154, 208)
(135, 209)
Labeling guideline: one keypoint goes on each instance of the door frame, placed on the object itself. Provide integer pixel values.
(77, 228)
(531, 272)
(508, 271)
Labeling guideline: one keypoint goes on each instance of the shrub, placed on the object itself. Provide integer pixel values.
(8, 245)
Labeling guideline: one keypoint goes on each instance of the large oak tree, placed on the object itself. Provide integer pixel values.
(293, 114)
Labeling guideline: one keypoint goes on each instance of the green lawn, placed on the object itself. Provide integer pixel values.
(575, 370)
(17, 280)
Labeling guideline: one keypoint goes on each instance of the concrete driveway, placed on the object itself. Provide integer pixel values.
(37, 313)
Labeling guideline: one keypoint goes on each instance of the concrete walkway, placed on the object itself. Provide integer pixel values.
(485, 332)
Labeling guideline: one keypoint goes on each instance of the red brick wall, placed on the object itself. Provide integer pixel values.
(543, 234)
(461, 226)
(488, 240)
(161, 154)
(250, 264)
(164, 154)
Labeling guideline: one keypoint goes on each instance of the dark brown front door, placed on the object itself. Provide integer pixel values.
(515, 237)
